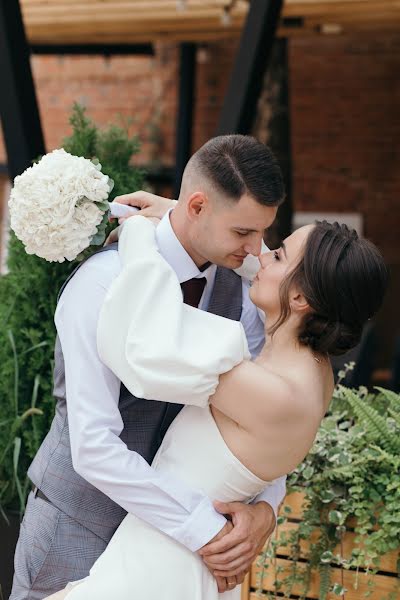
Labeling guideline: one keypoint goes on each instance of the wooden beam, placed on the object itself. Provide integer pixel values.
(137, 4)
(250, 65)
(141, 21)
(115, 21)
(18, 105)
(386, 16)
(59, 13)
(210, 35)
(329, 8)
(75, 28)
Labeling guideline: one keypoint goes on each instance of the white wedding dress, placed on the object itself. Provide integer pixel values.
(140, 562)
(153, 353)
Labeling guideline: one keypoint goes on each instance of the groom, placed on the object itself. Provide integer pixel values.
(93, 466)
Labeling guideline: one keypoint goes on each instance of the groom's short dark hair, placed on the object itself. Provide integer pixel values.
(239, 164)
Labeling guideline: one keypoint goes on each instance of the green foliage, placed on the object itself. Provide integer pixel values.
(351, 480)
(28, 295)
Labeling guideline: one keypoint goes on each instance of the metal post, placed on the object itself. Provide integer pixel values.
(18, 105)
(184, 126)
(251, 62)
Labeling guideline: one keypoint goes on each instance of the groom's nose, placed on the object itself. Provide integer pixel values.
(253, 246)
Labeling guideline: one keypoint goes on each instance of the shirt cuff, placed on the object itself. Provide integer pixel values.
(273, 494)
(202, 525)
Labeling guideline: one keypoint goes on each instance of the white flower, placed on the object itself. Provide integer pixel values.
(56, 205)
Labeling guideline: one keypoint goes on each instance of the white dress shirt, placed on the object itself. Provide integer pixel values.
(95, 423)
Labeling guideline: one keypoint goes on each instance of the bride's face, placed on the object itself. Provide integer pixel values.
(274, 267)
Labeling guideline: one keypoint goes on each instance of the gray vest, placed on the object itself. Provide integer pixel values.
(145, 424)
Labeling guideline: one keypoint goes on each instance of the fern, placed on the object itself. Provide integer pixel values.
(325, 581)
(392, 397)
(390, 458)
(395, 416)
(376, 425)
(352, 472)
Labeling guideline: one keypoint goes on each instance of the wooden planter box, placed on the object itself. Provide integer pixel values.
(8, 540)
(385, 582)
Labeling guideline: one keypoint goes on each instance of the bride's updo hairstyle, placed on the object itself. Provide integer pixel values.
(343, 278)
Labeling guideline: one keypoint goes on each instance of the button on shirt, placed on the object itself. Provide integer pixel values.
(92, 390)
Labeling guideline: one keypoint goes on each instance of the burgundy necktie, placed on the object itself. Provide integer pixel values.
(193, 290)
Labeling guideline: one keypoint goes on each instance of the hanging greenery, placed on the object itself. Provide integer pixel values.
(351, 482)
(28, 295)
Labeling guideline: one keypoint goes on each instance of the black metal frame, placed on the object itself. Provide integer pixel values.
(101, 49)
(184, 125)
(250, 64)
(18, 105)
(19, 110)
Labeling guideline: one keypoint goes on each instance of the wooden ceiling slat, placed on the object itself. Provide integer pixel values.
(317, 3)
(130, 21)
(335, 10)
(208, 35)
(298, 8)
(166, 20)
(378, 17)
(130, 9)
(109, 16)
(122, 27)
(135, 3)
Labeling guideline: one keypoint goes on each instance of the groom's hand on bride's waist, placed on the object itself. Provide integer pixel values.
(234, 552)
(225, 583)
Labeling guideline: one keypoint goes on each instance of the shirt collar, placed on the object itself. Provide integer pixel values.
(175, 254)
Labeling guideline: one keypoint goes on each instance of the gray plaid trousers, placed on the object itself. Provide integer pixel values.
(52, 550)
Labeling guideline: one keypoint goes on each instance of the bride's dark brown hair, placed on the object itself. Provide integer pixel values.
(343, 278)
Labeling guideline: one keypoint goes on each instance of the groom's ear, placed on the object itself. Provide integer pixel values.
(197, 203)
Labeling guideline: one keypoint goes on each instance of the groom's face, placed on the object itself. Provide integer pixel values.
(226, 231)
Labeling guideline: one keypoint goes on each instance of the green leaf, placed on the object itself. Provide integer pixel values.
(308, 472)
(326, 557)
(335, 517)
(338, 589)
(103, 206)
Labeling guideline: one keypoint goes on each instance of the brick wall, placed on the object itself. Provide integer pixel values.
(345, 124)
(345, 132)
(141, 88)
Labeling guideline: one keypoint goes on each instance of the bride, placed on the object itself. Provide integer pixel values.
(242, 427)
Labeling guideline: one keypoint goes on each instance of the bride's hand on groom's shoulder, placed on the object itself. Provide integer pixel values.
(233, 553)
(150, 205)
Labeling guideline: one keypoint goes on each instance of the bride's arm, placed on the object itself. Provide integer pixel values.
(159, 347)
(163, 349)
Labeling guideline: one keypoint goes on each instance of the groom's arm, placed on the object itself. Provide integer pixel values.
(253, 525)
(95, 423)
(273, 494)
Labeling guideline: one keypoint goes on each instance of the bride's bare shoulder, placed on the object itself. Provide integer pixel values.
(258, 397)
(276, 393)
(293, 394)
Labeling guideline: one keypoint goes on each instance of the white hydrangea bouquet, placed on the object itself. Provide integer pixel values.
(58, 207)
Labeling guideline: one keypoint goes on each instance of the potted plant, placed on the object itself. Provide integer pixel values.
(28, 296)
(339, 533)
